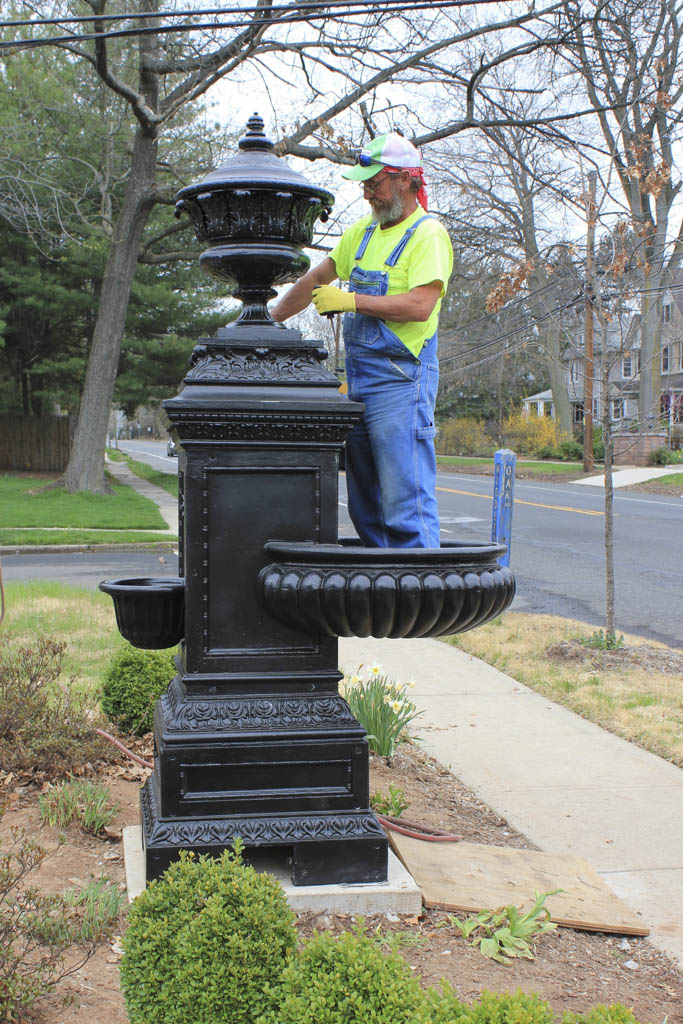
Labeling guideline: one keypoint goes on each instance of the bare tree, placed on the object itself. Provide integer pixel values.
(627, 54)
(329, 61)
(514, 187)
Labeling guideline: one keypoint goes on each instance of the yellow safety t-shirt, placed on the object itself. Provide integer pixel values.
(427, 257)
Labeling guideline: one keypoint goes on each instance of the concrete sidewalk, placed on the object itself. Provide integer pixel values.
(563, 782)
(631, 475)
(168, 505)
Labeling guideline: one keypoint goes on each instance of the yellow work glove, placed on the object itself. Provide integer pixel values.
(328, 299)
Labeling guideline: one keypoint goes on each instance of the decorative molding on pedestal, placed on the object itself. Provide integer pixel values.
(254, 830)
(213, 365)
(227, 425)
(181, 714)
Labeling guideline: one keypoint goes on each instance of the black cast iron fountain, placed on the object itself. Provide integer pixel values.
(252, 738)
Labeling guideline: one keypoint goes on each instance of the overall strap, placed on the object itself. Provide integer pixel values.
(365, 240)
(394, 256)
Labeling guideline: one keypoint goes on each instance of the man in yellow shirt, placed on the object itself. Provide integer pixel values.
(397, 262)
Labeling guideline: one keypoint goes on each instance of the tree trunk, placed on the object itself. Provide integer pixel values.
(558, 380)
(85, 471)
(609, 489)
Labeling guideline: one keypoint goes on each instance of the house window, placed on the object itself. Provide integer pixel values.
(677, 407)
(618, 409)
(667, 312)
(665, 359)
(596, 409)
(547, 408)
(577, 412)
(627, 365)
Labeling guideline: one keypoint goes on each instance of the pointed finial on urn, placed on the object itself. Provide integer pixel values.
(256, 137)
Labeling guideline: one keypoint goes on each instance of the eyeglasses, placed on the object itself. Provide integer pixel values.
(372, 184)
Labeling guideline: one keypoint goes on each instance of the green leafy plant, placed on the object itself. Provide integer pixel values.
(347, 980)
(518, 1007)
(43, 723)
(601, 640)
(382, 707)
(504, 933)
(665, 457)
(79, 800)
(393, 804)
(132, 684)
(206, 943)
(44, 938)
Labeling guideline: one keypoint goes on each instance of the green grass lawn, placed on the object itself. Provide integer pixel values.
(674, 481)
(31, 513)
(83, 618)
(528, 465)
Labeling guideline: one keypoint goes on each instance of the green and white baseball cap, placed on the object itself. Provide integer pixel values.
(390, 150)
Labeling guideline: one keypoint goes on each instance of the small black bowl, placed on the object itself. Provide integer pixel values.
(150, 612)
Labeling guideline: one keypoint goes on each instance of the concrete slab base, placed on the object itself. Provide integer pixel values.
(398, 895)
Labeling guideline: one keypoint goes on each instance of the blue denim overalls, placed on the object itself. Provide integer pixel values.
(390, 461)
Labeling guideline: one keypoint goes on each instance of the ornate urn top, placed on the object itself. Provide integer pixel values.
(256, 166)
(257, 216)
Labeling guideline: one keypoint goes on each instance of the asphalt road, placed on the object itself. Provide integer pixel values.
(557, 551)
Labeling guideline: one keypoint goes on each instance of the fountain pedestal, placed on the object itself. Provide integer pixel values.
(252, 738)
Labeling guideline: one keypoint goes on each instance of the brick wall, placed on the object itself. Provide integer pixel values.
(635, 449)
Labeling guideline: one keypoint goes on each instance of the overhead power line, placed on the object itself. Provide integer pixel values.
(304, 5)
(284, 17)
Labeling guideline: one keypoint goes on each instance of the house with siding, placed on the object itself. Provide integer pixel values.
(623, 358)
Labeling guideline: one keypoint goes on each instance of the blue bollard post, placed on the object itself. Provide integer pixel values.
(503, 500)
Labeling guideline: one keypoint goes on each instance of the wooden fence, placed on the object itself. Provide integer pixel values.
(38, 443)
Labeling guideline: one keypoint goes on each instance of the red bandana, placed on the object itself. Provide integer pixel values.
(415, 172)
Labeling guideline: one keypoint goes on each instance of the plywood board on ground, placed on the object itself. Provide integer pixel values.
(471, 877)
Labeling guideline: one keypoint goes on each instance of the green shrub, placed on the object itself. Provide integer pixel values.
(347, 980)
(444, 1007)
(134, 681)
(598, 445)
(43, 724)
(548, 451)
(206, 943)
(570, 450)
(510, 1008)
(665, 457)
(463, 436)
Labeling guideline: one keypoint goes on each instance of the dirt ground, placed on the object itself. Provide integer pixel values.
(573, 970)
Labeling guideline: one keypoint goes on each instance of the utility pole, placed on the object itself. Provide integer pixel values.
(588, 330)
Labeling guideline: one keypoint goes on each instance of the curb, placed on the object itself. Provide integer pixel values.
(62, 549)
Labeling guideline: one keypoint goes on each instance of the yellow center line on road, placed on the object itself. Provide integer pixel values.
(519, 501)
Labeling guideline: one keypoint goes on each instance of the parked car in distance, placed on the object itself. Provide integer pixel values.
(171, 447)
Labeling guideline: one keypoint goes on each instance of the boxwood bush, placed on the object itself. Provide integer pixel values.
(132, 684)
(347, 980)
(206, 944)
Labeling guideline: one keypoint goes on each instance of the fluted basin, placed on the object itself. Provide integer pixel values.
(150, 611)
(348, 590)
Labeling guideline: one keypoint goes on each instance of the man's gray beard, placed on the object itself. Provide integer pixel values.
(393, 212)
